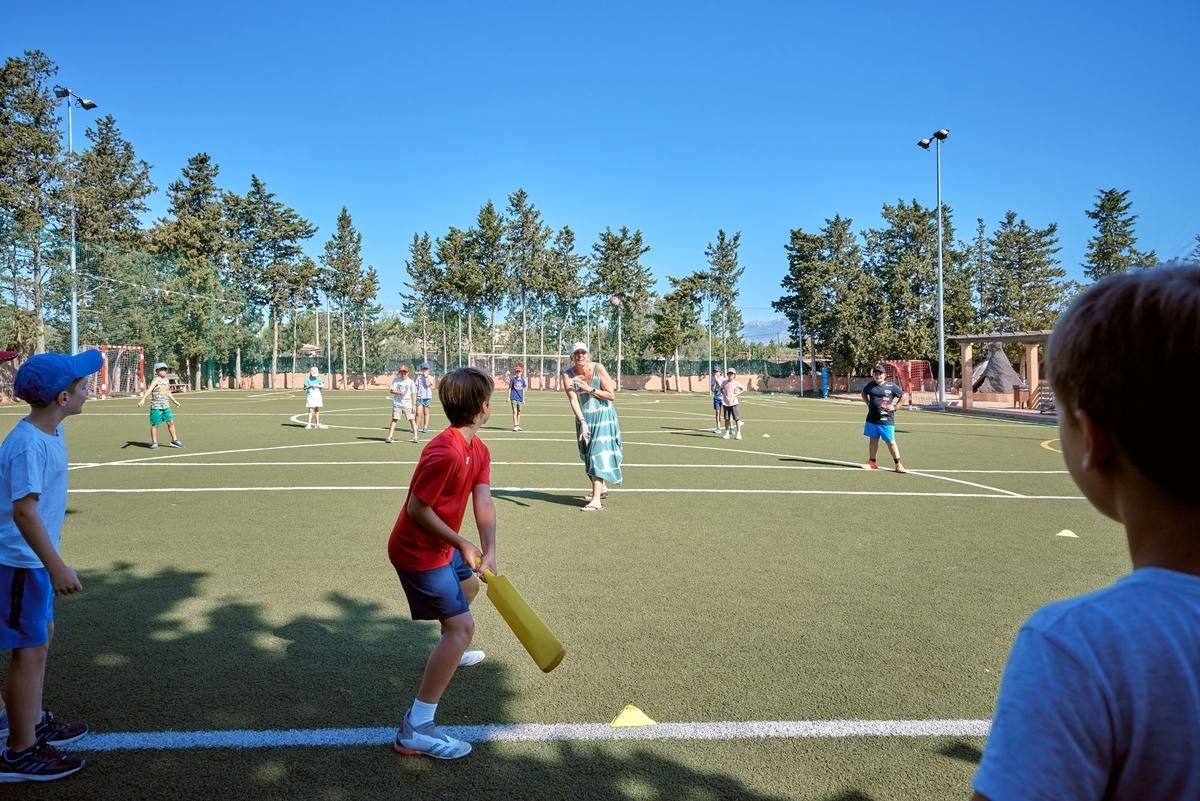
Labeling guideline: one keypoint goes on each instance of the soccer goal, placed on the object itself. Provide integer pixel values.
(914, 375)
(541, 369)
(123, 373)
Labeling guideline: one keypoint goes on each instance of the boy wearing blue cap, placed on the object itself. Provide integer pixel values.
(33, 503)
(161, 399)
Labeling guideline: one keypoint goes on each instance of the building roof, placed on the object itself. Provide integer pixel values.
(983, 339)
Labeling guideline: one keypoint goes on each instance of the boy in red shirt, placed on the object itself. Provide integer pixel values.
(436, 565)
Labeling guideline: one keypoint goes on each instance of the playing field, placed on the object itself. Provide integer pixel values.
(241, 633)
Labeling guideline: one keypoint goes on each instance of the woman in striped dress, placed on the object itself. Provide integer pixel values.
(591, 391)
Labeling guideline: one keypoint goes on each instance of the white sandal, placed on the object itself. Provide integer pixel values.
(592, 507)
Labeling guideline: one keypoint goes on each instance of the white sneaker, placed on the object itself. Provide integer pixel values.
(739, 435)
(428, 740)
(414, 439)
(726, 435)
(308, 427)
(471, 658)
(389, 440)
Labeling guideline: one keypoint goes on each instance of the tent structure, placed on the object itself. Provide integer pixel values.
(995, 374)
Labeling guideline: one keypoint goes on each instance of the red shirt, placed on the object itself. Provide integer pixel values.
(449, 469)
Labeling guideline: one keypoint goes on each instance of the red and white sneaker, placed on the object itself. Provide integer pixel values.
(870, 465)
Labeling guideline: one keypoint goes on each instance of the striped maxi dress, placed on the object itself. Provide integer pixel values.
(602, 455)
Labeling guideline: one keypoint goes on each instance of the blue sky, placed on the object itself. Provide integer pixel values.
(676, 118)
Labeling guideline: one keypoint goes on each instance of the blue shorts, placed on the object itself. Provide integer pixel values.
(26, 607)
(426, 402)
(436, 594)
(717, 403)
(877, 431)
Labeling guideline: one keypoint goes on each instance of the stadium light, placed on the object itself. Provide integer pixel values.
(62, 92)
(939, 136)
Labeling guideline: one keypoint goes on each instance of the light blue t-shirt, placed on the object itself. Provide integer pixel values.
(516, 389)
(1101, 697)
(425, 387)
(31, 461)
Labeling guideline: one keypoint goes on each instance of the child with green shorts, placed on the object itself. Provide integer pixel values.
(161, 399)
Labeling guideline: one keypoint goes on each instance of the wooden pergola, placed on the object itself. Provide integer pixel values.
(1032, 340)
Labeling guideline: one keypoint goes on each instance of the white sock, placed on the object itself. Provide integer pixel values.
(421, 713)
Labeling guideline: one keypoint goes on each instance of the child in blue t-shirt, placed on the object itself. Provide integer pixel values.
(1100, 698)
(312, 397)
(516, 395)
(33, 504)
(714, 385)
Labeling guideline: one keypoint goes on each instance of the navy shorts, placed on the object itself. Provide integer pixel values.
(26, 607)
(436, 594)
(734, 412)
(717, 403)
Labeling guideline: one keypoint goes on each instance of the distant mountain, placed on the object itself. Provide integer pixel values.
(766, 330)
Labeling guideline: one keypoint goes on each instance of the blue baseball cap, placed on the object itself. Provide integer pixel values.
(47, 374)
(424, 365)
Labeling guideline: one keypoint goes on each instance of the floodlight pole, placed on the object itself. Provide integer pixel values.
(68, 96)
(708, 327)
(941, 307)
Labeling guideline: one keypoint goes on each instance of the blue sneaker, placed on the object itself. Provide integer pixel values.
(176, 443)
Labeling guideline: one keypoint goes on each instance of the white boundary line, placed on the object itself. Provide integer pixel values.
(576, 490)
(537, 733)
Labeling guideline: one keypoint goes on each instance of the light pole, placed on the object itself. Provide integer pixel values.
(62, 92)
(939, 136)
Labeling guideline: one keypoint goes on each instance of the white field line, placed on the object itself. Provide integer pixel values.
(575, 463)
(537, 733)
(830, 462)
(575, 490)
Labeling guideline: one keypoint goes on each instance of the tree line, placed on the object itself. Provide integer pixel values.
(222, 278)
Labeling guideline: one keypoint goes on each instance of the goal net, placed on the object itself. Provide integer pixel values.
(541, 370)
(914, 375)
(123, 373)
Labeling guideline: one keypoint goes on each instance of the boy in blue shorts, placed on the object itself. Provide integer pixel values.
(882, 398)
(436, 565)
(1100, 698)
(516, 395)
(714, 386)
(425, 385)
(33, 503)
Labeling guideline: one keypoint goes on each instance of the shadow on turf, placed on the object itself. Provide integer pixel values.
(134, 443)
(150, 652)
(961, 750)
(545, 497)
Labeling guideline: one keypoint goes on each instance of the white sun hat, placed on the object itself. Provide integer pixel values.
(579, 346)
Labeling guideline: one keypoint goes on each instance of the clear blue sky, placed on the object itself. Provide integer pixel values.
(676, 118)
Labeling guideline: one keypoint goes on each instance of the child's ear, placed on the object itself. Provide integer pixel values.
(1098, 448)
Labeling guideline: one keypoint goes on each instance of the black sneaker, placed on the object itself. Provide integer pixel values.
(41, 763)
(49, 730)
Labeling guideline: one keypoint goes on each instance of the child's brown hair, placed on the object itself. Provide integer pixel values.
(1118, 338)
(463, 393)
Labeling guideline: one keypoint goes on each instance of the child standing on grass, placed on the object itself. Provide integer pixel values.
(425, 385)
(161, 399)
(714, 384)
(516, 395)
(882, 398)
(730, 389)
(436, 565)
(312, 397)
(404, 391)
(1100, 698)
(33, 504)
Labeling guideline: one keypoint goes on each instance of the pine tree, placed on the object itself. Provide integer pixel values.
(343, 275)
(563, 284)
(527, 238)
(1027, 290)
(1112, 250)
(463, 283)
(193, 236)
(489, 257)
(31, 174)
(425, 279)
(617, 272)
(724, 274)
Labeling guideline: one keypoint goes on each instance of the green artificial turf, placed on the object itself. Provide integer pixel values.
(278, 609)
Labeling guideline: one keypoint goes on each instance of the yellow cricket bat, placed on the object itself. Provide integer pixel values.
(535, 635)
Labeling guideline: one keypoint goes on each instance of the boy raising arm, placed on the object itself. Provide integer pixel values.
(435, 564)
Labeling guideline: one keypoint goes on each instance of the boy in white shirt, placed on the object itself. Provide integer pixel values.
(404, 394)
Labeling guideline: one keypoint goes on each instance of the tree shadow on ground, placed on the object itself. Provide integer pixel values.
(150, 653)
